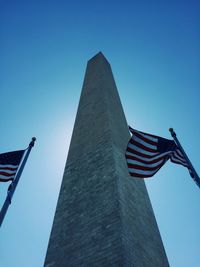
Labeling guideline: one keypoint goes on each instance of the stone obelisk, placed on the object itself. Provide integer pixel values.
(103, 217)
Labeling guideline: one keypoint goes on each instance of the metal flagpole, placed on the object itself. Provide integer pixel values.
(13, 185)
(192, 170)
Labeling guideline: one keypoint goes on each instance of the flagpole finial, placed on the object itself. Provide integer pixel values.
(172, 132)
(32, 142)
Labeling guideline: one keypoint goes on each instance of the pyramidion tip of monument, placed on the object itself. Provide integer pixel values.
(100, 54)
(99, 57)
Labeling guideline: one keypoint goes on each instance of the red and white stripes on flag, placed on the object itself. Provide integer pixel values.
(9, 163)
(147, 153)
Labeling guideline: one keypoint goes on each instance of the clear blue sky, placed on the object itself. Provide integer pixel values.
(154, 50)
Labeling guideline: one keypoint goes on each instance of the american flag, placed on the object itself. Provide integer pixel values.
(9, 163)
(147, 153)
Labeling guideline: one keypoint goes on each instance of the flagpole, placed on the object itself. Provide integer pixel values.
(13, 185)
(194, 173)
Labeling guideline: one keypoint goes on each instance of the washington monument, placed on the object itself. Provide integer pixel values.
(103, 217)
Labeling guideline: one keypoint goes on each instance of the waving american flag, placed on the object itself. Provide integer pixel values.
(147, 153)
(9, 163)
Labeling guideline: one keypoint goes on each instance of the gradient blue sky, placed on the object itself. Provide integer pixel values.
(154, 50)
